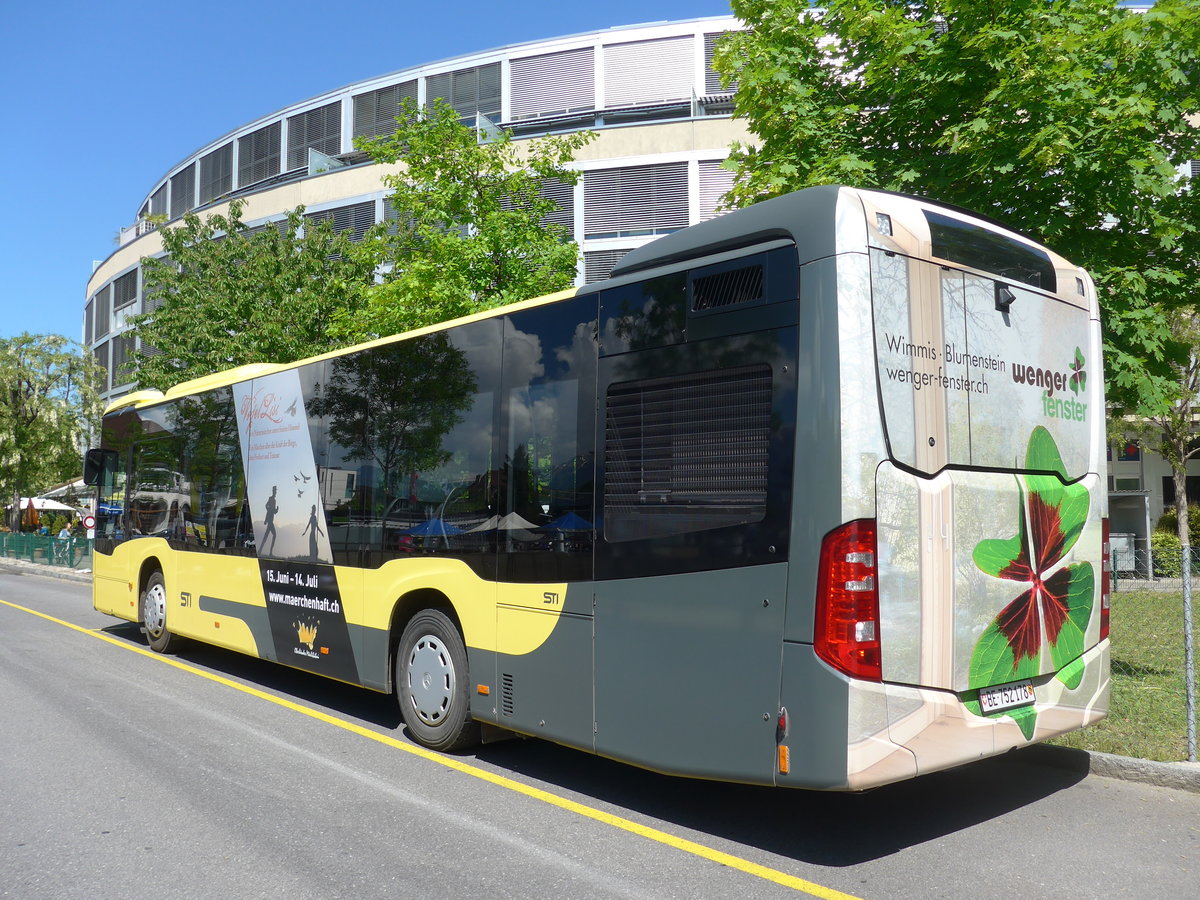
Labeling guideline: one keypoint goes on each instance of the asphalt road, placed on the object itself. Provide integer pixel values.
(205, 774)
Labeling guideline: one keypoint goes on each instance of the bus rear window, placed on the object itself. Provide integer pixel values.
(981, 248)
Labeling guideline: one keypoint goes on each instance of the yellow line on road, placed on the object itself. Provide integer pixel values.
(450, 762)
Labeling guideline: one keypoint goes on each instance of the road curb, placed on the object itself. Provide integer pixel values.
(60, 572)
(1182, 776)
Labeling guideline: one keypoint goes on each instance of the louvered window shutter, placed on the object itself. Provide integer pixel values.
(158, 201)
(712, 81)
(644, 72)
(598, 264)
(216, 173)
(125, 289)
(375, 112)
(183, 191)
(469, 91)
(552, 84)
(87, 321)
(103, 300)
(319, 129)
(715, 182)
(258, 155)
(355, 218)
(101, 353)
(636, 200)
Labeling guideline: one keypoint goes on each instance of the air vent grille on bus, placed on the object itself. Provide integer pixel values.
(687, 453)
(506, 694)
(728, 288)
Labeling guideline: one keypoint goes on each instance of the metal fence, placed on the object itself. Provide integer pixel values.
(69, 553)
(1153, 654)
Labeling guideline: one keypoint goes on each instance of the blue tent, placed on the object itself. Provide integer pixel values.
(569, 522)
(436, 527)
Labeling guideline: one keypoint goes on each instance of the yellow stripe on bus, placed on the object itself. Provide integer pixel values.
(645, 831)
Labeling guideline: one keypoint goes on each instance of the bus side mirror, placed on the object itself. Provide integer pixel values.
(95, 461)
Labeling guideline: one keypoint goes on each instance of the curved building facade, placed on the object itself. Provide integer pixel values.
(662, 122)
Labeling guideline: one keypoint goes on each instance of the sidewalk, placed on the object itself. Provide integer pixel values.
(1183, 776)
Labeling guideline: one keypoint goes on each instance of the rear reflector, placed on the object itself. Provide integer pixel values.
(847, 627)
(1105, 580)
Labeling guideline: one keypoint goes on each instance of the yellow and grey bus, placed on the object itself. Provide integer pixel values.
(812, 495)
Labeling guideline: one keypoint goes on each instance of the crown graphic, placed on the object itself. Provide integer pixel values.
(306, 633)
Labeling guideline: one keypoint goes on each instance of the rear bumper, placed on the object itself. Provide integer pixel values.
(928, 730)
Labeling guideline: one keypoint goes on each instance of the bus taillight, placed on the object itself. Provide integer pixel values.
(847, 627)
(1105, 579)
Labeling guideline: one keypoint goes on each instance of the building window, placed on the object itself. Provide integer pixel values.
(125, 289)
(258, 155)
(648, 72)
(715, 183)
(375, 112)
(183, 191)
(356, 218)
(318, 129)
(638, 200)
(101, 354)
(553, 84)
(87, 321)
(712, 81)
(469, 91)
(103, 301)
(158, 201)
(598, 264)
(122, 358)
(216, 174)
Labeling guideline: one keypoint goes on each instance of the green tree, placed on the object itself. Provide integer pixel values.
(226, 295)
(49, 403)
(468, 229)
(1066, 119)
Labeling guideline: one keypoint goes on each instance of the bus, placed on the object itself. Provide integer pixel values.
(811, 494)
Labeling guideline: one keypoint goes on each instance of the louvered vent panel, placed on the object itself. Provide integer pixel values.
(158, 201)
(122, 356)
(553, 83)
(648, 72)
(712, 81)
(103, 301)
(355, 218)
(183, 191)
(507, 704)
(125, 289)
(636, 200)
(728, 288)
(216, 173)
(1194, 169)
(715, 183)
(687, 452)
(563, 195)
(375, 112)
(258, 155)
(88, 324)
(318, 129)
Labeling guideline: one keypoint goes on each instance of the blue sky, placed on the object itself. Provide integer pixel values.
(102, 99)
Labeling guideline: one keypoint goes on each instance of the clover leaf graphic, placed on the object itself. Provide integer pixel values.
(1051, 613)
(1079, 377)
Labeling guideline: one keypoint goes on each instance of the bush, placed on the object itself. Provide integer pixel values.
(1169, 522)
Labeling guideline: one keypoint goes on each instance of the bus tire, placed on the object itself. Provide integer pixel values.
(154, 613)
(432, 683)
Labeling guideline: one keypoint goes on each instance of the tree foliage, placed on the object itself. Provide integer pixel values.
(226, 295)
(1066, 119)
(467, 221)
(49, 402)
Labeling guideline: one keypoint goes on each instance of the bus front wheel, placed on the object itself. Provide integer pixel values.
(154, 613)
(432, 683)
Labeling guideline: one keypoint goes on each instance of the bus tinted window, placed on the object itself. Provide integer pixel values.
(981, 248)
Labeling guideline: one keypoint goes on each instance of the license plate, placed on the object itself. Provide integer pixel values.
(1006, 696)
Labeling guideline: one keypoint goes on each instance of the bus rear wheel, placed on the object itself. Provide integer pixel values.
(432, 683)
(154, 613)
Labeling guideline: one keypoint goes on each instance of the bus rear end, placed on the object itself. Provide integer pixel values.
(961, 598)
